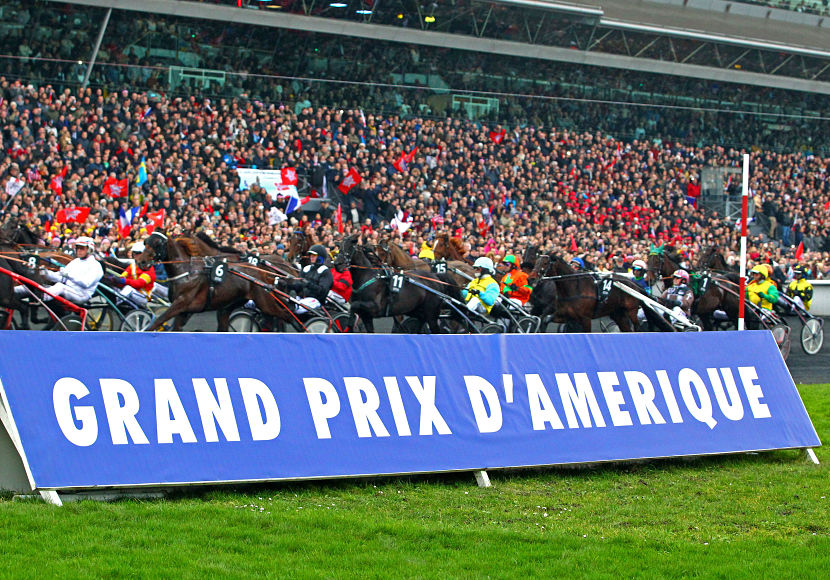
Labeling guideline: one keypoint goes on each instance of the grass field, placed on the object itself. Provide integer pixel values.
(763, 516)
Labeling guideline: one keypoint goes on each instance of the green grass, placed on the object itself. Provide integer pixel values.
(763, 516)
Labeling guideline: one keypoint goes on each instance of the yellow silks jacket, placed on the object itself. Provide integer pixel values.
(754, 291)
(803, 289)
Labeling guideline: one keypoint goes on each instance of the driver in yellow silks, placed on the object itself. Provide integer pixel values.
(761, 291)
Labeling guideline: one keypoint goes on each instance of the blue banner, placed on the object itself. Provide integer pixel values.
(127, 409)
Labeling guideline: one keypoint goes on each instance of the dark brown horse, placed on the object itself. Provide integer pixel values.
(380, 291)
(713, 290)
(202, 278)
(298, 244)
(569, 296)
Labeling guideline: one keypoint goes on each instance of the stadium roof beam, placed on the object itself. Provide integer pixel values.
(233, 14)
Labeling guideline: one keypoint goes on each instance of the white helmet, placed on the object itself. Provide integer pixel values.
(485, 263)
(85, 241)
(639, 264)
(137, 247)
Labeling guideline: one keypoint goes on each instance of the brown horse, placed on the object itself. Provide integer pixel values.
(298, 244)
(569, 296)
(380, 291)
(713, 290)
(202, 278)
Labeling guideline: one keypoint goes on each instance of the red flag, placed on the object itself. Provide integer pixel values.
(411, 155)
(144, 209)
(339, 218)
(401, 163)
(573, 247)
(116, 187)
(155, 221)
(352, 178)
(799, 251)
(497, 136)
(76, 215)
(288, 175)
(56, 184)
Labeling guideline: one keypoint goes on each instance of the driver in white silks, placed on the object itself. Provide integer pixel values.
(77, 280)
(483, 290)
(314, 283)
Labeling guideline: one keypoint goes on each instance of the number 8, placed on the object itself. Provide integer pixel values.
(31, 263)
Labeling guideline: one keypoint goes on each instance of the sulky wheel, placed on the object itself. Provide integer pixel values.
(781, 333)
(812, 336)
(243, 321)
(137, 320)
(318, 325)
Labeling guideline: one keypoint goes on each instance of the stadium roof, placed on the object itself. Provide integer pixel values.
(709, 39)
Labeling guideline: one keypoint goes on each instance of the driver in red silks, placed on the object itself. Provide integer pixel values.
(341, 289)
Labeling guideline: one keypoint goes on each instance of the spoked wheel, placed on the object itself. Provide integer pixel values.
(812, 336)
(491, 328)
(528, 324)
(414, 326)
(243, 321)
(340, 323)
(571, 326)
(781, 333)
(71, 322)
(318, 325)
(137, 321)
(99, 317)
(609, 327)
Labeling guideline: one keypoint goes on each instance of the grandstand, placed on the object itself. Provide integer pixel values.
(593, 96)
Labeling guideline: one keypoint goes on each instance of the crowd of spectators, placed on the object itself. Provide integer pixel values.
(499, 188)
(44, 45)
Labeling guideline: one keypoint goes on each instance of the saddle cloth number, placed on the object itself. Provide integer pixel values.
(439, 267)
(605, 286)
(397, 282)
(31, 261)
(253, 260)
(217, 272)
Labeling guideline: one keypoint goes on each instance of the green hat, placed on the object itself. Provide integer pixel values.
(510, 259)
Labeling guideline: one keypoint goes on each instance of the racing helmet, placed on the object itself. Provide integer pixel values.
(509, 259)
(759, 269)
(579, 262)
(639, 265)
(682, 274)
(320, 251)
(485, 263)
(137, 248)
(799, 271)
(85, 242)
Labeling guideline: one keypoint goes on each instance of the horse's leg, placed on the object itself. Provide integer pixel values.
(621, 317)
(585, 321)
(180, 321)
(175, 309)
(223, 319)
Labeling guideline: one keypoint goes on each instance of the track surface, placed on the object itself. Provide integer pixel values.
(803, 368)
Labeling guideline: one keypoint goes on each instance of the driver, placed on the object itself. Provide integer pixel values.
(638, 271)
(77, 280)
(679, 296)
(800, 290)
(577, 263)
(481, 292)
(315, 280)
(761, 291)
(138, 283)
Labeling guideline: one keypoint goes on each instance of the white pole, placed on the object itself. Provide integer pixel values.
(744, 200)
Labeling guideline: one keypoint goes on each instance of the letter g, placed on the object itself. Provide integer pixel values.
(87, 434)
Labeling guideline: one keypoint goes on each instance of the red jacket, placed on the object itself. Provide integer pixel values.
(342, 283)
(139, 279)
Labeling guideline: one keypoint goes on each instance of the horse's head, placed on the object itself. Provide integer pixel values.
(346, 252)
(540, 268)
(529, 258)
(558, 266)
(298, 244)
(661, 263)
(155, 250)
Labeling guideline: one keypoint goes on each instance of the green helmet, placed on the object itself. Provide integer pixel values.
(510, 259)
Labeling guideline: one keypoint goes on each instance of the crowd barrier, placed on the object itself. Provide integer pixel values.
(96, 411)
(821, 298)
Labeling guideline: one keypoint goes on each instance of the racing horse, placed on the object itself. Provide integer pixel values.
(713, 290)
(298, 244)
(202, 278)
(380, 291)
(569, 296)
